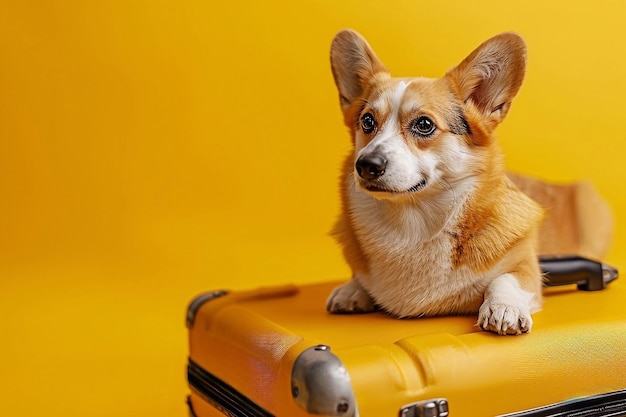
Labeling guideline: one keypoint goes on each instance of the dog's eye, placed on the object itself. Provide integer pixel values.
(422, 126)
(368, 124)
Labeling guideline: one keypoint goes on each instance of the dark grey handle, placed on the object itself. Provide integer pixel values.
(588, 274)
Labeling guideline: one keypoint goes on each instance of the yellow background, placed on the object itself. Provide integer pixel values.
(150, 150)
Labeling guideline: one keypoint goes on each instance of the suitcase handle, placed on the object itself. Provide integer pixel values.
(588, 274)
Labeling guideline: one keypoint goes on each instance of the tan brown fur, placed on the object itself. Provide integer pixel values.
(495, 221)
(578, 220)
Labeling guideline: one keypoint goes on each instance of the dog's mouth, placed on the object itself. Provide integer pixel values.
(377, 189)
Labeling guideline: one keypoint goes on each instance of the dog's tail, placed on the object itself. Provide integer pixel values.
(578, 220)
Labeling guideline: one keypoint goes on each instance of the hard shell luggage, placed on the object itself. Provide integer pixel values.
(277, 352)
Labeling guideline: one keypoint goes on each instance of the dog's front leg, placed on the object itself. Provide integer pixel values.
(507, 307)
(350, 298)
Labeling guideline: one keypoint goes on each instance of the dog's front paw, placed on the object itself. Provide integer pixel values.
(507, 307)
(504, 319)
(350, 298)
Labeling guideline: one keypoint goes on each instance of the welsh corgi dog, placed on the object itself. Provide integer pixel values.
(431, 224)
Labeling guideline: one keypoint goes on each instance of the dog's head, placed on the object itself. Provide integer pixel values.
(412, 135)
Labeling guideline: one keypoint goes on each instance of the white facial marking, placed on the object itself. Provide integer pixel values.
(388, 129)
(403, 169)
(391, 128)
(410, 169)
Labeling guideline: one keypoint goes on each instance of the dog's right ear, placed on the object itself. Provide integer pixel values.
(491, 76)
(353, 64)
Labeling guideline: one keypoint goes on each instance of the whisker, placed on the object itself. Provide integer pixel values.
(451, 188)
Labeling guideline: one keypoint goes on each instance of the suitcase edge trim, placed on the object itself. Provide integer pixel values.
(192, 412)
(221, 395)
(321, 385)
(198, 301)
(591, 405)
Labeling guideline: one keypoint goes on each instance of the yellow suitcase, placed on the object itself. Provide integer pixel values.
(277, 352)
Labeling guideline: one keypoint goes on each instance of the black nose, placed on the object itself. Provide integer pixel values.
(370, 167)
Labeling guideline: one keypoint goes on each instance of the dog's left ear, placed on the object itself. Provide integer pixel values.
(354, 65)
(491, 76)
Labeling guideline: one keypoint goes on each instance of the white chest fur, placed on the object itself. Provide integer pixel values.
(409, 249)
